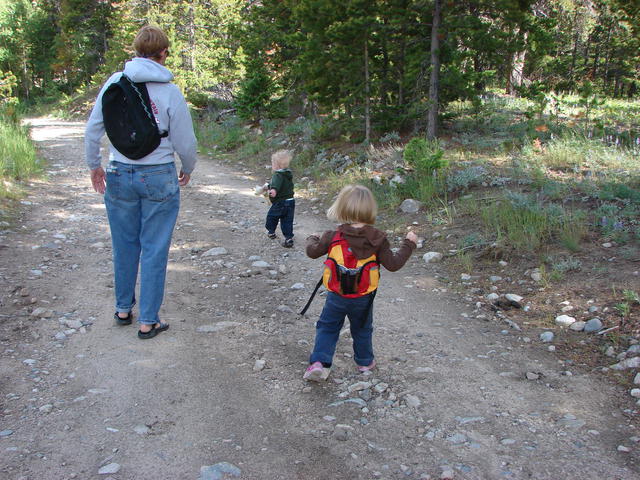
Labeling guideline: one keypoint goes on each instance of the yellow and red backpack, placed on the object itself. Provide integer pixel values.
(345, 274)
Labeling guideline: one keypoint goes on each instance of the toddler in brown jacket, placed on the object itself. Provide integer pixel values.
(355, 252)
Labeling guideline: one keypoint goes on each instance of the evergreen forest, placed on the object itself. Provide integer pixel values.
(376, 65)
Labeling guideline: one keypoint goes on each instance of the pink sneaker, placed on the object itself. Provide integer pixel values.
(316, 372)
(368, 368)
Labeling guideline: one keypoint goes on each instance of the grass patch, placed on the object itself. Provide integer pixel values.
(18, 159)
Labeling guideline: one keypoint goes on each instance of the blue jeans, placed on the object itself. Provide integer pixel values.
(142, 204)
(282, 211)
(331, 321)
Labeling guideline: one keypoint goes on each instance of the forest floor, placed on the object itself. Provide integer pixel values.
(458, 392)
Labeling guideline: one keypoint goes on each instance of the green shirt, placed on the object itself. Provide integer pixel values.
(282, 183)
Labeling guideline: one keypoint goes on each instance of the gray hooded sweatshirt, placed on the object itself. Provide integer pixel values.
(170, 109)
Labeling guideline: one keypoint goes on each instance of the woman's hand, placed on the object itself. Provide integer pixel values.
(183, 178)
(98, 180)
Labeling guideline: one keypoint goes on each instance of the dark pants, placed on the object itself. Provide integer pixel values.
(330, 323)
(281, 211)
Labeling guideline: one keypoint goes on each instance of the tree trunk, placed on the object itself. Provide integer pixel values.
(367, 92)
(516, 73)
(434, 80)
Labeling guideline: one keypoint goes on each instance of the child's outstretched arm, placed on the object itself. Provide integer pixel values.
(318, 246)
(395, 261)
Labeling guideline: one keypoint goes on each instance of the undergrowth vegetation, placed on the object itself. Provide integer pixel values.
(531, 175)
(18, 159)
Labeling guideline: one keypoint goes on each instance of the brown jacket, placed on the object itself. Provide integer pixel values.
(364, 242)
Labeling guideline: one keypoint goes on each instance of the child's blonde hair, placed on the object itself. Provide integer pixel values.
(355, 204)
(281, 158)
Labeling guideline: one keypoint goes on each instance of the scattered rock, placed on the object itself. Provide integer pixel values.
(297, 286)
(570, 421)
(216, 327)
(412, 401)
(259, 365)
(214, 252)
(627, 363)
(564, 320)
(109, 469)
(261, 264)
(142, 429)
(457, 438)
(546, 337)
(577, 326)
(593, 325)
(6, 433)
(342, 432)
(41, 312)
(532, 376)
(356, 387)
(218, 471)
(516, 300)
(432, 257)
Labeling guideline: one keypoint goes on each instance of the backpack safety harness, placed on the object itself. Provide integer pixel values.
(347, 275)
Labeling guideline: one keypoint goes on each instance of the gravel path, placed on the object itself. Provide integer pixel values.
(220, 395)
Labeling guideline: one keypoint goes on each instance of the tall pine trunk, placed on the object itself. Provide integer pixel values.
(434, 79)
(367, 92)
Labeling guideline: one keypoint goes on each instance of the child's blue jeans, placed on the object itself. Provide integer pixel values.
(331, 321)
(281, 211)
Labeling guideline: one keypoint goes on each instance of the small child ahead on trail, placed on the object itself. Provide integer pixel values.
(280, 190)
(352, 271)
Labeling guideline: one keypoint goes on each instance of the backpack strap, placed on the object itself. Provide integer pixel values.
(145, 101)
(336, 238)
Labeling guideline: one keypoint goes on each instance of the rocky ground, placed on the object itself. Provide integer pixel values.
(459, 393)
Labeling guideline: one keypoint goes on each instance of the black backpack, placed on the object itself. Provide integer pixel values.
(128, 119)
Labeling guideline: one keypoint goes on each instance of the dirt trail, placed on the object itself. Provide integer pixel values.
(80, 394)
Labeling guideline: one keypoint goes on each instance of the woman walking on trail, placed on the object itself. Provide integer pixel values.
(142, 196)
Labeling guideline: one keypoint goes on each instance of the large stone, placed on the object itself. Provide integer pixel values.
(627, 364)
(432, 257)
(564, 320)
(593, 325)
(410, 206)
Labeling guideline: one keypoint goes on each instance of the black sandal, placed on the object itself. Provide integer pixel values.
(153, 332)
(123, 321)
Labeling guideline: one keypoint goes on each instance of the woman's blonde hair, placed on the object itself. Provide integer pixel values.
(150, 42)
(355, 204)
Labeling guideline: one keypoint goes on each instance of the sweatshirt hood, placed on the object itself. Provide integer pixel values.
(363, 241)
(286, 173)
(146, 70)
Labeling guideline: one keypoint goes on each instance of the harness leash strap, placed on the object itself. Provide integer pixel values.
(315, 290)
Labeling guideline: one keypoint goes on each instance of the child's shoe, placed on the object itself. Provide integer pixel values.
(288, 243)
(367, 368)
(316, 372)
(271, 235)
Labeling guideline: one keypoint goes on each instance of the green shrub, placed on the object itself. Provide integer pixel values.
(424, 156)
